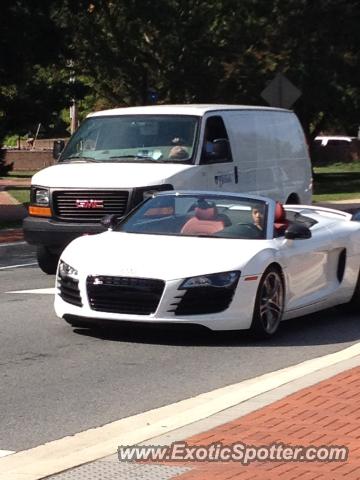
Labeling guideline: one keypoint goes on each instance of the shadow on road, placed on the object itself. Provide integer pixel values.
(327, 327)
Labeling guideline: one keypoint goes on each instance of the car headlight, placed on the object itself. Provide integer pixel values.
(67, 271)
(220, 280)
(40, 196)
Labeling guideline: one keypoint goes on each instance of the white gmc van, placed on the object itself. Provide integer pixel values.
(119, 156)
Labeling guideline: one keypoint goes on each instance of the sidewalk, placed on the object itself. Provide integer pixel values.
(10, 209)
(317, 409)
(324, 414)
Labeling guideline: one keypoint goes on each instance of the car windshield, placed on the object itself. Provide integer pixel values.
(134, 138)
(199, 215)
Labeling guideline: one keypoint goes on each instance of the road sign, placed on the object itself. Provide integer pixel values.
(281, 92)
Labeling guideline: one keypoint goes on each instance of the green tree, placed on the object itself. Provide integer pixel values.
(33, 82)
(127, 48)
(316, 44)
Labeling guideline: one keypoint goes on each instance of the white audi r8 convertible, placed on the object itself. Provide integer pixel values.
(224, 261)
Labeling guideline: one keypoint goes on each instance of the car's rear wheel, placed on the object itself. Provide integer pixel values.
(47, 260)
(269, 304)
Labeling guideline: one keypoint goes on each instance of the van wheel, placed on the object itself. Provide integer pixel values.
(47, 261)
(293, 199)
(269, 304)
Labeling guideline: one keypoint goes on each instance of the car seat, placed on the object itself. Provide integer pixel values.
(281, 223)
(205, 221)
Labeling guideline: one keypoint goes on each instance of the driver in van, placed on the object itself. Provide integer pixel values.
(178, 152)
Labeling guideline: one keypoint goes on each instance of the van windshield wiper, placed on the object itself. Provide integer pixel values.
(139, 158)
(73, 158)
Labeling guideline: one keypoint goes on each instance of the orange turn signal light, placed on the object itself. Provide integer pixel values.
(251, 278)
(40, 211)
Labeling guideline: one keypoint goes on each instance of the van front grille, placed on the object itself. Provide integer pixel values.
(89, 205)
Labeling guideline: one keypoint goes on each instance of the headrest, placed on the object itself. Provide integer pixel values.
(280, 213)
(205, 213)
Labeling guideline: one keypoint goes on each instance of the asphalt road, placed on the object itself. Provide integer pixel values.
(56, 380)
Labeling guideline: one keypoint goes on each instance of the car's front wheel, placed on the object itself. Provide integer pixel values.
(47, 260)
(269, 304)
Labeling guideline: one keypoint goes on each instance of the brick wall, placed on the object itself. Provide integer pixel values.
(29, 160)
(41, 143)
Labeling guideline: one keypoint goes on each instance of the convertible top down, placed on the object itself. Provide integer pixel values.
(221, 260)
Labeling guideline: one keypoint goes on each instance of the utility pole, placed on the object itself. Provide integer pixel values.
(73, 116)
(73, 107)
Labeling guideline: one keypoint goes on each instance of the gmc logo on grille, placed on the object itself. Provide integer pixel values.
(89, 203)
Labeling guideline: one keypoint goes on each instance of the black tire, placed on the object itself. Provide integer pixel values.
(47, 260)
(269, 304)
(292, 200)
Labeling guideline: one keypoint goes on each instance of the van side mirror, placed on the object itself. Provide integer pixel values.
(297, 231)
(219, 152)
(58, 147)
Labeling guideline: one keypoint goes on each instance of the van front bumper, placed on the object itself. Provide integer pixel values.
(56, 235)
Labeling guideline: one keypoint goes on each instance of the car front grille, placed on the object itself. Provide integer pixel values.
(89, 205)
(128, 295)
(203, 300)
(69, 290)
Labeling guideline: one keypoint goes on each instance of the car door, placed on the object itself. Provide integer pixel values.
(306, 267)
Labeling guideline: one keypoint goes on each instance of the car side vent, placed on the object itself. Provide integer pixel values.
(341, 265)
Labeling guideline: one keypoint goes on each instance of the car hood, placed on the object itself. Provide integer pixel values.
(107, 175)
(158, 256)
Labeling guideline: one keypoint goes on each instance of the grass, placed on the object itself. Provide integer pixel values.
(21, 174)
(339, 181)
(21, 195)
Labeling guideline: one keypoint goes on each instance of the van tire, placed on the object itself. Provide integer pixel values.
(293, 199)
(47, 261)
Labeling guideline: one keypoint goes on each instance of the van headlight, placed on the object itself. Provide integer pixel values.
(217, 280)
(67, 271)
(143, 193)
(40, 196)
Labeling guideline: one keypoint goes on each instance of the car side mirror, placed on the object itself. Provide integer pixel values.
(58, 147)
(297, 231)
(356, 216)
(110, 221)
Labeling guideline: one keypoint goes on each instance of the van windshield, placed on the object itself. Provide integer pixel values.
(134, 138)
